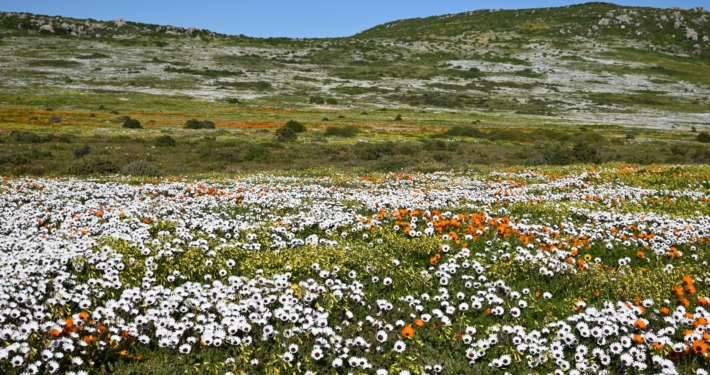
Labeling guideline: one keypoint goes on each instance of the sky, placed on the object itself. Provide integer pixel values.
(284, 18)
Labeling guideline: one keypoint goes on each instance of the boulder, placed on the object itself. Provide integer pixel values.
(47, 28)
(691, 34)
(624, 19)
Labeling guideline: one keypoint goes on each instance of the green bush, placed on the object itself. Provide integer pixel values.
(366, 151)
(407, 148)
(331, 101)
(442, 156)
(93, 166)
(20, 136)
(37, 153)
(141, 168)
(165, 141)
(14, 159)
(464, 131)
(385, 148)
(398, 118)
(257, 153)
(285, 134)
(703, 137)
(342, 131)
(679, 150)
(296, 126)
(197, 124)
(82, 151)
(585, 153)
(557, 155)
(394, 163)
(589, 137)
(316, 100)
(509, 135)
(437, 145)
(193, 124)
(132, 123)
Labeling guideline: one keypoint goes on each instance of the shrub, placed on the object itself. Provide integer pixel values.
(407, 148)
(437, 145)
(585, 153)
(197, 124)
(92, 166)
(132, 123)
(678, 150)
(285, 134)
(14, 159)
(557, 155)
(37, 153)
(165, 141)
(232, 101)
(366, 151)
(342, 131)
(703, 137)
(589, 137)
(441, 156)
(385, 148)
(316, 100)
(230, 155)
(296, 126)
(141, 168)
(630, 135)
(464, 131)
(82, 151)
(54, 119)
(257, 153)
(394, 163)
(193, 124)
(331, 101)
(20, 136)
(509, 135)
(398, 118)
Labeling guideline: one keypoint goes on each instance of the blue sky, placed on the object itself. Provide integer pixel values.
(291, 18)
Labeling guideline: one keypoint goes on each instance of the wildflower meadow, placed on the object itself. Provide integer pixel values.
(542, 271)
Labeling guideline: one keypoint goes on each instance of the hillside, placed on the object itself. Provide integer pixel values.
(573, 60)
(673, 30)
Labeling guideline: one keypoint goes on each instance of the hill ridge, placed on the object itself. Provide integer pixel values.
(676, 29)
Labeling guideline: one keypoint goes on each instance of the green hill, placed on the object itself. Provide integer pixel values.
(672, 30)
(589, 63)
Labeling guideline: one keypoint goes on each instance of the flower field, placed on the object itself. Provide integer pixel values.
(564, 271)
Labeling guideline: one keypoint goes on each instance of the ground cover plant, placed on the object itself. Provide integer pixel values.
(490, 192)
(540, 270)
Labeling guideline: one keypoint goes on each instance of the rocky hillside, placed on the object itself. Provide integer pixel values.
(34, 24)
(673, 30)
(590, 63)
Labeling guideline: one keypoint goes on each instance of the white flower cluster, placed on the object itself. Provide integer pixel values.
(53, 231)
